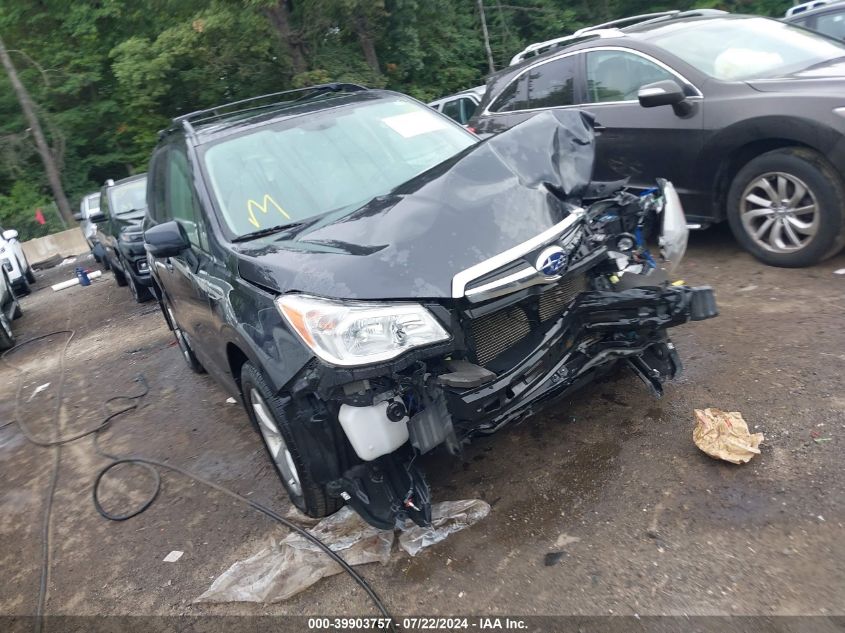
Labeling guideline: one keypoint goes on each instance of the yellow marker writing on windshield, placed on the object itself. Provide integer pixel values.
(262, 206)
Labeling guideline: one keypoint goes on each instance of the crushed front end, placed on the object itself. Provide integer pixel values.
(520, 329)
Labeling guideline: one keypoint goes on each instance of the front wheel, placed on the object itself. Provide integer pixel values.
(787, 208)
(7, 339)
(267, 415)
(119, 277)
(139, 292)
(30, 275)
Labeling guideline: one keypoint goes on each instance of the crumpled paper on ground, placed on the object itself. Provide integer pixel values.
(725, 436)
(295, 563)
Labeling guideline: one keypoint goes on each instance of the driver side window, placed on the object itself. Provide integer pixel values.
(618, 75)
(181, 200)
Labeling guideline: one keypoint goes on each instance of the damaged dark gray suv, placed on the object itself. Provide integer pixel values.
(375, 283)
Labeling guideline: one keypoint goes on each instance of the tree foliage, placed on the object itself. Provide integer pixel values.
(108, 74)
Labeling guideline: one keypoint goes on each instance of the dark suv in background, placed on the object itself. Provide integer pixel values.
(374, 283)
(120, 233)
(745, 115)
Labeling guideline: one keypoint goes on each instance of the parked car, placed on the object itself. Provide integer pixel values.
(88, 217)
(123, 204)
(743, 114)
(372, 282)
(828, 19)
(14, 261)
(461, 106)
(10, 309)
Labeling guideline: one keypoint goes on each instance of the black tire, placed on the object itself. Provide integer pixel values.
(824, 193)
(106, 263)
(306, 494)
(97, 258)
(30, 275)
(140, 292)
(7, 339)
(119, 277)
(183, 342)
(23, 287)
(17, 313)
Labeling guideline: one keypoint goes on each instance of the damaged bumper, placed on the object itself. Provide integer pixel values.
(442, 401)
(599, 328)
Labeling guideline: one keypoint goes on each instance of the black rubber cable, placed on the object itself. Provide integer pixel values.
(151, 465)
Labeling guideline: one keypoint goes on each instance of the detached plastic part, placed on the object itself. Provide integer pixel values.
(674, 233)
(283, 570)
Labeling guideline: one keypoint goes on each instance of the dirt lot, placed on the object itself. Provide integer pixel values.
(645, 522)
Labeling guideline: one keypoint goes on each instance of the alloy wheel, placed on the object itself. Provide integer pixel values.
(275, 442)
(779, 212)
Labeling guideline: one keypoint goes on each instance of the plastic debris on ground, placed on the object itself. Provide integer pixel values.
(38, 390)
(724, 435)
(282, 570)
(841, 271)
(173, 556)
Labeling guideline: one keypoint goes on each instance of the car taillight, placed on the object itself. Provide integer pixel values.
(471, 129)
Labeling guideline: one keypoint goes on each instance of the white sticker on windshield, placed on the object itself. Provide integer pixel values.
(415, 123)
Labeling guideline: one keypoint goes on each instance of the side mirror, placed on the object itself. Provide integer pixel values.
(663, 93)
(166, 240)
(11, 234)
(78, 216)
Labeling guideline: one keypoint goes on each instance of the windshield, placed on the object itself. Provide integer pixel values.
(747, 48)
(130, 196)
(333, 160)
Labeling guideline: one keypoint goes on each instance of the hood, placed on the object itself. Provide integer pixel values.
(410, 243)
(129, 222)
(827, 78)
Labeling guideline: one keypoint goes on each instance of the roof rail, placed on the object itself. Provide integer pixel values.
(538, 48)
(806, 6)
(607, 29)
(226, 108)
(628, 20)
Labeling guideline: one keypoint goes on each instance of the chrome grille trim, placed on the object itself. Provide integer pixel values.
(463, 278)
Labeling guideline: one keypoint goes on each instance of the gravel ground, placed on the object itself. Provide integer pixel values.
(607, 485)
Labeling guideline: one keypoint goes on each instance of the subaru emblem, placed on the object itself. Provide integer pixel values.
(552, 261)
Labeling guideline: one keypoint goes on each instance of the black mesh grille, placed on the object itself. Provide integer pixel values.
(494, 333)
(553, 302)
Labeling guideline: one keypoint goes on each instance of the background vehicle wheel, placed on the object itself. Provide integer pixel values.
(7, 339)
(267, 415)
(30, 276)
(17, 313)
(106, 263)
(184, 344)
(23, 287)
(139, 292)
(787, 208)
(119, 277)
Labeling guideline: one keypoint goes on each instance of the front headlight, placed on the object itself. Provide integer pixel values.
(132, 237)
(358, 333)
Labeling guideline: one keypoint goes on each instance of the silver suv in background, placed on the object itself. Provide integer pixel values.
(461, 106)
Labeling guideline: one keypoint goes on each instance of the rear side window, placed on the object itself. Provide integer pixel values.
(552, 84)
(513, 97)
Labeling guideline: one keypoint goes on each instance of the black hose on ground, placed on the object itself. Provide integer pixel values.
(150, 464)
